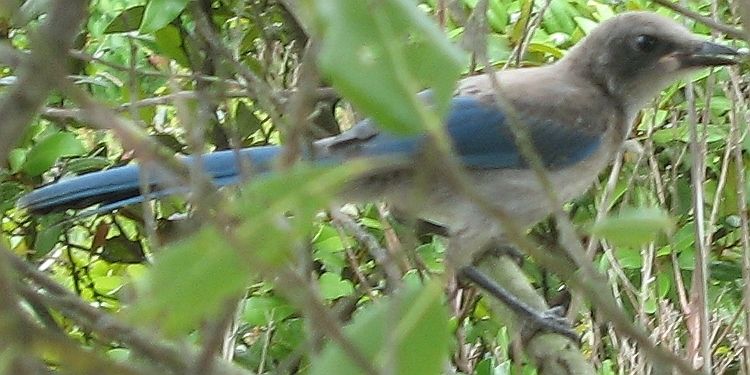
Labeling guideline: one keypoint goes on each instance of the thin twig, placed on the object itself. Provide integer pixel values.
(708, 21)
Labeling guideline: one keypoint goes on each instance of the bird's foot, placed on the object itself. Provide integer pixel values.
(552, 320)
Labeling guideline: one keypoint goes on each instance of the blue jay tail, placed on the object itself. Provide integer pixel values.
(118, 187)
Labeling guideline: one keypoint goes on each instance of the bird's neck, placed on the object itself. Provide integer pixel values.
(629, 100)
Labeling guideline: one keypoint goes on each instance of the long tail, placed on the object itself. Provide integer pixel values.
(120, 186)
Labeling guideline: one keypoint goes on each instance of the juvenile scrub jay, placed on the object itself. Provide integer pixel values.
(577, 112)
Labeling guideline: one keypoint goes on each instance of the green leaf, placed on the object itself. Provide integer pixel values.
(118, 354)
(44, 154)
(169, 43)
(9, 192)
(497, 47)
(262, 310)
(93, 163)
(108, 284)
(586, 24)
(545, 48)
(650, 304)
(328, 249)
(46, 239)
(279, 209)
(128, 20)
(332, 286)
(559, 17)
(519, 27)
(498, 15)
(379, 54)
(727, 271)
(633, 226)
(604, 11)
(629, 258)
(247, 122)
(663, 284)
(120, 249)
(190, 281)
(16, 158)
(160, 13)
(418, 322)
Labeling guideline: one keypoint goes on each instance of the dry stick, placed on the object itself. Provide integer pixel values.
(104, 325)
(229, 339)
(731, 31)
(742, 202)
(69, 355)
(601, 212)
(301, 291)
(371, 244)
(149, 221)
(529, 32)
(676, 271)
(321, 93)
(744, 8)
(81, 55)
(699, 290)
(728, 328)
(636, 297)
(258, 88)
(352, 260)
(213, 336)
(18, 107)
(14, 324)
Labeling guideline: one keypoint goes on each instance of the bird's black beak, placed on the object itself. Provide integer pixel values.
(708, 54)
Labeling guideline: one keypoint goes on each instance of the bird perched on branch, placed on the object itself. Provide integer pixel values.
(577, 113)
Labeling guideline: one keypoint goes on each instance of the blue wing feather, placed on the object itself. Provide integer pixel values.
(483, 139)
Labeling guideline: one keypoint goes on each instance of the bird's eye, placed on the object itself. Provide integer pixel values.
(645, 43)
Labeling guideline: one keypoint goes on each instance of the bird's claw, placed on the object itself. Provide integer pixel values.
(553, 321)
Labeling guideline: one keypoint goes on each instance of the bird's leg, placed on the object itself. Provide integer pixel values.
(535, 321)
(551, 320)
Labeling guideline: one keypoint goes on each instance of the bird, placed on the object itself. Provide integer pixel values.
(577, 113)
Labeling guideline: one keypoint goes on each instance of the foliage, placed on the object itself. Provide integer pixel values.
(294, 274)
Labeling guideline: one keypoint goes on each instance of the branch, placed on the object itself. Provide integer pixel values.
(106, 326)
(38, 72)
(729, 30)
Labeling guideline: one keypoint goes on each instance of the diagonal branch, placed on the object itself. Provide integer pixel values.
(39, 71)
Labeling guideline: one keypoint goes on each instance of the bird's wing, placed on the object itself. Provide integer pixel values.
(481, 136)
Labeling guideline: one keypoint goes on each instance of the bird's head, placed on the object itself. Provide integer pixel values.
(635, 55)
